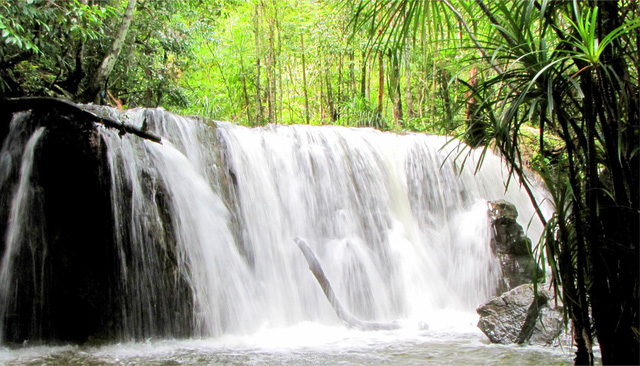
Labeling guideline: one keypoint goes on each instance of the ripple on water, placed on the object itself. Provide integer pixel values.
(306, 344)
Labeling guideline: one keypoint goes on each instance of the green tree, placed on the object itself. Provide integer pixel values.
(43, 44)
(110, 58)
(128, 52)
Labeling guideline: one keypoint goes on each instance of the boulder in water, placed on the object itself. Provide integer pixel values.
(520, 317)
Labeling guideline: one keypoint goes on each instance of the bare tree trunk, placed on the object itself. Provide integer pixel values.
(322, 100)
(370, 68)
(271, 79)
(304, 80)
(91, 94)
(71, 84)
(363, 77)
(407, 88)
(244, 89)
(380, 88)
(316, 269)
(340, 76)
(394, 88)
(330, 100)
(475, 126)
(352, 74)
(443, 75)
(279, 63)
(258, 120)
(434, 88)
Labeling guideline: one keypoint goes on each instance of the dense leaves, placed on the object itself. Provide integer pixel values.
(55, 48)
(39, 42)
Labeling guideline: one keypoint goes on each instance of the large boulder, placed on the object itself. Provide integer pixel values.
(512, 247)
(520, 317)
(72, 280)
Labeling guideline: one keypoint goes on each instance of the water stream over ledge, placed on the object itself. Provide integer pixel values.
(203, 229)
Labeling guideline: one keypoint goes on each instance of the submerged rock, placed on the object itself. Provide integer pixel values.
(512, 247)
(519, 317)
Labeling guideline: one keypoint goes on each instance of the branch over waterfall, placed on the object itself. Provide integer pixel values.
(316, 269)
(12, 105)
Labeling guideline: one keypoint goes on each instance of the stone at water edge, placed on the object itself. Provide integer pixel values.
(514, 318)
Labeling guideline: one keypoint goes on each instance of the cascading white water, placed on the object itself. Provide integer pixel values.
(164, 197)
(400, 231)
(17, 156)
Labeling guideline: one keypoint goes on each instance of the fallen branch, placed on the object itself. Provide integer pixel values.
(350, 320)
(21, 104)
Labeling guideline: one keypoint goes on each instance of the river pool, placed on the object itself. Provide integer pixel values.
(304, 344)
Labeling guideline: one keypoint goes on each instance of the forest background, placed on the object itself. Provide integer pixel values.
(248, 62)
(551, 85)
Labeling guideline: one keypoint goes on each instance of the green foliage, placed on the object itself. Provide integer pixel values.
(588, 46)
(37, 39)
(340, 76)
(242, 60)
(54, 48)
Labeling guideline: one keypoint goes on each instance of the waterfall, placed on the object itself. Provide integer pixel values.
(203, 225)
(21, 203)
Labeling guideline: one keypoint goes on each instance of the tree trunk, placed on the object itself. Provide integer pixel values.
(363, 76)
(322, 98)
(304, 80)
(91, 94)
(475, 127)
(407, 88)
(352, 74)
(443, 76)
(71, 84)
(330, 100)
(572, 286)
(244, 90)
(613, 217)
(434, 88)
(380, 89)
(279, 64)
(258, 34)
(271, 72)
(340, 86)
(316, 268)
(395, 91)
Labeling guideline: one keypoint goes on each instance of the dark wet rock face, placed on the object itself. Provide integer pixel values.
(69, 276)
(511, 246)
(64, 264)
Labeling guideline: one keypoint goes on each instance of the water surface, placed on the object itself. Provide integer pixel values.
(304, 344)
